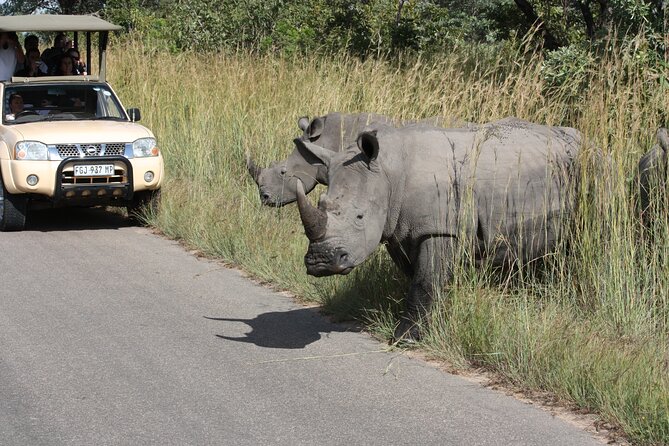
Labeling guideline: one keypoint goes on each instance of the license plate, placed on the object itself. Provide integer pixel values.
(93, 170)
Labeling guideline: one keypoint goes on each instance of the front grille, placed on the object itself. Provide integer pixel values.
(90, 150)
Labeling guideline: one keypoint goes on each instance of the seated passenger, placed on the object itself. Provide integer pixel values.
(64, 67)
(51, 56)
(79, 65)
(34, 65)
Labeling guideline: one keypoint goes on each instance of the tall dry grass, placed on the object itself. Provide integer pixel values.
(593, 330)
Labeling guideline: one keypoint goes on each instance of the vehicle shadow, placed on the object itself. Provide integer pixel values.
(292, 329)
(76, 219)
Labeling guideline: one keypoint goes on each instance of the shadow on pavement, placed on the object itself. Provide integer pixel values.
(292, 329)
(75, 219)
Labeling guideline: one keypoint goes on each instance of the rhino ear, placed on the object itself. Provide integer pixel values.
(663, 138)
(313, 153)
(315, 128)
(303, 123)
(369, 144)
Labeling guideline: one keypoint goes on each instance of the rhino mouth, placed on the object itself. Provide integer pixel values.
(327, 262)
(273, 200)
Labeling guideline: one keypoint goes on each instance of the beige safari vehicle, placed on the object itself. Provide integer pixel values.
(73, 144)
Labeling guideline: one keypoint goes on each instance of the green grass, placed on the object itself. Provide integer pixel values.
(594, 332)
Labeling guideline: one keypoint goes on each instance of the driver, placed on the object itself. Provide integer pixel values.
(15, 104)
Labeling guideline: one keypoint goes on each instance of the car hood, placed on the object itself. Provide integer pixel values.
(79, 132)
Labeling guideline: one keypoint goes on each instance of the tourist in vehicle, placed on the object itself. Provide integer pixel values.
(33, 65)
(65, 66)
(51, 56)
(79, 65)
(11, 54)
(31, 41)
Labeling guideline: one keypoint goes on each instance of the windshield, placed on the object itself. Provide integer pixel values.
(65, 102)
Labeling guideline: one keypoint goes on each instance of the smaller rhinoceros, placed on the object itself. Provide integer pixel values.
(652, 176)
(501, 191)
(334, 132)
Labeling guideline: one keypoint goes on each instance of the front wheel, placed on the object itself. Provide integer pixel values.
(13, 208)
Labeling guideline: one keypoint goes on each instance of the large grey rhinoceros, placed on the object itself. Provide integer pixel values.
(502, 191)
(333, 131)
(652, 175)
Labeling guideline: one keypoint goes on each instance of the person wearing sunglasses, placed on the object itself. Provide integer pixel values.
(79, 67)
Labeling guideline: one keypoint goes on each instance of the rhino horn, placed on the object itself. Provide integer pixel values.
(253, 169)
(313, 219)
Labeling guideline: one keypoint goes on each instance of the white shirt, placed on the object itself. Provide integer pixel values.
(7, 63)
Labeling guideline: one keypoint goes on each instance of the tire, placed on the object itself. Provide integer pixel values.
(13, 208)
(143, 205)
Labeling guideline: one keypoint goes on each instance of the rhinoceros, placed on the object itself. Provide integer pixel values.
(333, 131)
(652, 175)
(502, 191)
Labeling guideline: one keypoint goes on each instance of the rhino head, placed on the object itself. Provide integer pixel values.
(349, 221)
(277, 184)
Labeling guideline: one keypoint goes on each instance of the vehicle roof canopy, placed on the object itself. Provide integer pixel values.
(55, 23)
(65, 23)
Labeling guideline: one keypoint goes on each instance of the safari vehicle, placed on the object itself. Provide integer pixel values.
(73, 144)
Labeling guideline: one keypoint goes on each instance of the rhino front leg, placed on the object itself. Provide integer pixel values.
(432, 269)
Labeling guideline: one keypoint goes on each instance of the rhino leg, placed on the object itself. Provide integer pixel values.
(433, 267)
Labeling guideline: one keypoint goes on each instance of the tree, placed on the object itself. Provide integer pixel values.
(564, 22)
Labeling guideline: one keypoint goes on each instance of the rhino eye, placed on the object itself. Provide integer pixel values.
(359, 217)
(283, 171)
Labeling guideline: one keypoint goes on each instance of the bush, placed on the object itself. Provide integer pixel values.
(567, 69)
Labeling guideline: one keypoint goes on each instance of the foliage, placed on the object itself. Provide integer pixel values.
(568, 69)
(375, 27)
(142, 17)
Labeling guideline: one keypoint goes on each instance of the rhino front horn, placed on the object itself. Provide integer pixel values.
(253, 169)
(314, 220)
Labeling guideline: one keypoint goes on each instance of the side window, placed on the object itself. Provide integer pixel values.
(107, 106)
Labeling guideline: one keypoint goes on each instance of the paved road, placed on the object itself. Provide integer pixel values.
(110, 335)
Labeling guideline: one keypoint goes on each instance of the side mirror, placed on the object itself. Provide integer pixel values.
(134, 114)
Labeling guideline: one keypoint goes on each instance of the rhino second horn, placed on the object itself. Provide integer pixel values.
(314, 220)
(663, 138)
(253, 169)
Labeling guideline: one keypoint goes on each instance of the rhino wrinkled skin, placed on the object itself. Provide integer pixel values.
(501, 190)
(652, 175)
(334, 132)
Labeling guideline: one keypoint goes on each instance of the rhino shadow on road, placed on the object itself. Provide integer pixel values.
(292, 329)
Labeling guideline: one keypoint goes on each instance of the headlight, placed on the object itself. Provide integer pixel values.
(145, 147)
(31, 150)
